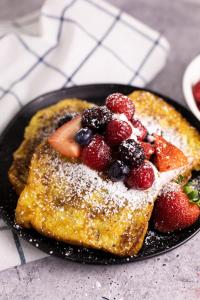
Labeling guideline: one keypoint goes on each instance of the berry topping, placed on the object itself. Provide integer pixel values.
(96, 118)
(66, 118)
(63, 141)
(131, 153)
(148, 149)
(118, 171)
(173, 211)
(141, 131)
(97, 154)
(84, 136)
(168, 156)
(117, 131)
(142, 177)
(121, 104)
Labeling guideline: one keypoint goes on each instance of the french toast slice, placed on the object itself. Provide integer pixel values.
(42, 124)
(160, 117)
(69, 202)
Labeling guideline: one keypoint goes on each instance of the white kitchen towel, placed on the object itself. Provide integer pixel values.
(80, 41)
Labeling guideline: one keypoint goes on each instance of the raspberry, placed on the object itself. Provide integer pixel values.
(121, 104)
(141, 178)
(97, 154)
(96, 118)
(131, 152)
(148, 149)
(117, 131)
(141, 131)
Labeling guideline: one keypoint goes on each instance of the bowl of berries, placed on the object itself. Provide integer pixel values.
(191, 86)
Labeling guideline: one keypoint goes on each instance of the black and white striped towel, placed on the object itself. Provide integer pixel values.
(80, 41)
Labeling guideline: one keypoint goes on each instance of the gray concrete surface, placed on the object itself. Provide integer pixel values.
(175, 275)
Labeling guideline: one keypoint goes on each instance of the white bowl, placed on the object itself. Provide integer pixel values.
(190, 77)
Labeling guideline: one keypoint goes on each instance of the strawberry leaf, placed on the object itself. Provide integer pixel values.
(191, 189)
(180, 179)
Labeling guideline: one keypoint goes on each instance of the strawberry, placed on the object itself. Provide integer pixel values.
(117, 131)
(97, 154)
(168, 156)
(174, 211)
(63, 141)
(140, 131)
(148, 149)
(121, 104)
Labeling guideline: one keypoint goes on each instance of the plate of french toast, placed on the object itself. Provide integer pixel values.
(102, 173)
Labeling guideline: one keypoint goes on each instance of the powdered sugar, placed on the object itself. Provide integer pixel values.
(77, 181)
(169, 134)
(74, 180)
(170, 187)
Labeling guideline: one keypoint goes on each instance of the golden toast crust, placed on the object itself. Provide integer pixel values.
(122, 232)
(147, 104)
(41, 125)
(47, 205)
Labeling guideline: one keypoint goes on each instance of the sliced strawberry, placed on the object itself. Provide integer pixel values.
(173, 211)
(63, 141)
(148, 149)
(168, 156)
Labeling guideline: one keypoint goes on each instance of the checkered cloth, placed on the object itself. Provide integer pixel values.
(75, 42)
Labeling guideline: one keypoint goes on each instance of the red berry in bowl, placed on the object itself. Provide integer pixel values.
(141, 178)
(120, 104)
(117, 131)
(196, 92)
(148, 149)
(141, 131)
(97, 155)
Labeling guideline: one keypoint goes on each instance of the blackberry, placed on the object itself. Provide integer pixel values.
(84, 136)
(132, 153)
(65, 118)
(96, 118)
(118, 171)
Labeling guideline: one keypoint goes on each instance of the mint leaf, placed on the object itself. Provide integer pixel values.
(179, 179)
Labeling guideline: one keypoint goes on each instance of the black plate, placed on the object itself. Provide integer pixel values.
(155, 243)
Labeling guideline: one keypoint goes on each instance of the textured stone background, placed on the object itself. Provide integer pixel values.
(175, 275)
